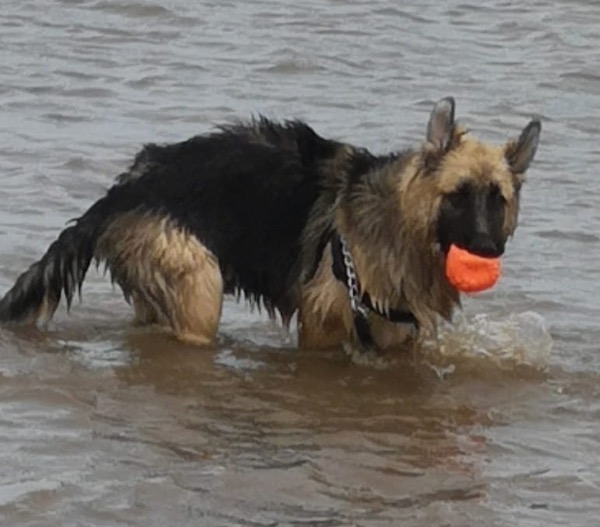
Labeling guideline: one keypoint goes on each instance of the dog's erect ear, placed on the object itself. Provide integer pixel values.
(441, 124)
(520, 153)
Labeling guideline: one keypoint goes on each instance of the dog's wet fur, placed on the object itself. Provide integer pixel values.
(252, 209)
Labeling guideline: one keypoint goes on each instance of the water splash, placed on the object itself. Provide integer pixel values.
(520, 339)
(228, 359)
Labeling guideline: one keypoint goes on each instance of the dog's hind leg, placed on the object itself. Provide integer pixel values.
(172, 279)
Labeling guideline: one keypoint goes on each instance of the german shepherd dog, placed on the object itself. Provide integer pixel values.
(352, 242)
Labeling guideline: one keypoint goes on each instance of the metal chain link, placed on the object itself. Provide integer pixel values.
(352, 282)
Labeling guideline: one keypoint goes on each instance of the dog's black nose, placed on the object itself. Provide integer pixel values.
(483, 245)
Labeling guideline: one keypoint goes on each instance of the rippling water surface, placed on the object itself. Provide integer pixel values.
(103, 425)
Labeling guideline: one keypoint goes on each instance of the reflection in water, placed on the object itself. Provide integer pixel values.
(296, 435)
(314, 424)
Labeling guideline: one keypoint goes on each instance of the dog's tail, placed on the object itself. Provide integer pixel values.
(37, 292)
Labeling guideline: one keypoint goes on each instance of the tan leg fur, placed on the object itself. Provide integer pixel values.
(172, 279)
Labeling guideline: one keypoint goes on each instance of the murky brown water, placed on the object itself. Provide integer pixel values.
(105, 425)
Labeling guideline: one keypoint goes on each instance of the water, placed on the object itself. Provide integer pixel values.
(102, 424)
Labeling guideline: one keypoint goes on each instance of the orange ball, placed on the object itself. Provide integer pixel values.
(469, 272)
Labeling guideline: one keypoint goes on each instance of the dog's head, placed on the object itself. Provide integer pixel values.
(477, 185)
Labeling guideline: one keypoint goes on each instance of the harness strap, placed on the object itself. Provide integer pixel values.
(343, 270)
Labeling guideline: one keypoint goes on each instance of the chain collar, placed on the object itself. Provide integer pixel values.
(352, 282)
(360, 312)
(360, 302)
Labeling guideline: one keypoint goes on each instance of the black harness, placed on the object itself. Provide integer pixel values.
(343, 270)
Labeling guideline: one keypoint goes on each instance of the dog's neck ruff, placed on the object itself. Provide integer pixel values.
(361, 305)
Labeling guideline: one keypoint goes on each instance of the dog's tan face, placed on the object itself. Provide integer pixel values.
(477, 184)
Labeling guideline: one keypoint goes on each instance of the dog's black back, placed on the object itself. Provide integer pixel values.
(245, 193)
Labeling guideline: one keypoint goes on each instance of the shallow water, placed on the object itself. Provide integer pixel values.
(103, 424)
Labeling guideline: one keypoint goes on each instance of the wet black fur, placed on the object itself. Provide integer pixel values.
(246, 192)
